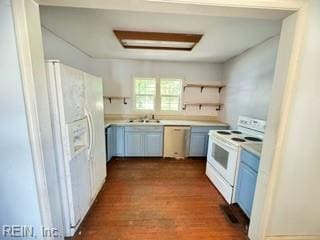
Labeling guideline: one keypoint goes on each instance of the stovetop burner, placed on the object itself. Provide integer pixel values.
(238, 139)
(223, 132)
(236, 132)
(254, 139)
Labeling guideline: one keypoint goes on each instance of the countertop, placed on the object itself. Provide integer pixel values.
(108, 123)
(254, 148)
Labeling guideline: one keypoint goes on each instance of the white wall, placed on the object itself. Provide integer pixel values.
(294, 208)
(118, 81)
(19, 199)
(118, 75)
(249, 78)
(56, 48)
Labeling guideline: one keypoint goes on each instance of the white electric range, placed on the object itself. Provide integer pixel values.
(224, 149)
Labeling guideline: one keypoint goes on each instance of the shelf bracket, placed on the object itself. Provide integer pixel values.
(184, 107)
(201, 88)
(124, 101)
(184, 88)
(109, 99)
(220, 88)
(218, 108)
(200, 106)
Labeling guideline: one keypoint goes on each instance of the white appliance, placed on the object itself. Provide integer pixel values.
(176, 141)
(224, 151)
(76, 108)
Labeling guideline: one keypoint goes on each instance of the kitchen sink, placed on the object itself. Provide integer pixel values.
(152, 121)
(144, 121)
(136, 121)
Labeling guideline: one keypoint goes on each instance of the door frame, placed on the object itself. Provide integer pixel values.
(28, 78)
(301, 7)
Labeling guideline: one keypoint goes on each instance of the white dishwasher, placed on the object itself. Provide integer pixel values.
(176, 141)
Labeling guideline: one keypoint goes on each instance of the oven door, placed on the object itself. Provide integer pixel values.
(223, 158)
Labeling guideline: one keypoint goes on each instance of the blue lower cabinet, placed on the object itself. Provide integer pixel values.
(148, 141)
(199, 140)
(134, 145)
(153, 144)
(118, 141)
(198, 144)
(246, 182)
(143, 141)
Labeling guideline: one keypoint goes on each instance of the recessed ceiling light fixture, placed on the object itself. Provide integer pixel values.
(157, 40)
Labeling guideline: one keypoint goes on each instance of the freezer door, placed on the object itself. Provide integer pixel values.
(79, 190)
(78, 138)
(70, 89)
(95, 116)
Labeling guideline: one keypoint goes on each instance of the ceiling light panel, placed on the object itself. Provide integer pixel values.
(153, 43)
(156, 40)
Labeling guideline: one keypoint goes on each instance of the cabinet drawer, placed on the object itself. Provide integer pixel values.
(201, 129)
(250, 159)
(206, 130)
(144, 129)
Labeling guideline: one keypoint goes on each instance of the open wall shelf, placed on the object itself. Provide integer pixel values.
(201, 86)
(110, 98)
(218, 105)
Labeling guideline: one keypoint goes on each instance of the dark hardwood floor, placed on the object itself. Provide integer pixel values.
(158, 199)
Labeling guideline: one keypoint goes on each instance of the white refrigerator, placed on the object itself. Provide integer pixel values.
(76, 107)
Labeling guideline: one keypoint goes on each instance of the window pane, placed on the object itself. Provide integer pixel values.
(144, 102)
(170, 87)
(145, 86)
(170, 103)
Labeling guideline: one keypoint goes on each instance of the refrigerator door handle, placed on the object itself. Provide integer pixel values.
(90, 131)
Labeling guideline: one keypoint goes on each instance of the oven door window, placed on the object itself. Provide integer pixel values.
(220, 155)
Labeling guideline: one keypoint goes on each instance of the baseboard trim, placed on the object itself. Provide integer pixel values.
(293, 238)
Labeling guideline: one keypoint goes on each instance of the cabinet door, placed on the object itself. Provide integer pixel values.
(110, 143)
(198, 145)
(246, 187)
(153, 144)
(134, 144)
(118, 141)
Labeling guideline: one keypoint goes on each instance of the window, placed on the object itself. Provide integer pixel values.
(170, 93)
(145, 92)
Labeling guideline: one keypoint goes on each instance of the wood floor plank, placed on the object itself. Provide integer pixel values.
(160, 199)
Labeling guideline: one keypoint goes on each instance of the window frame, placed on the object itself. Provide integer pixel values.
(157, 96)
(180, 95)
(135, 95)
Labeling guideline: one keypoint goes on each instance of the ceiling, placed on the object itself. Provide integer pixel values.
(91, 30)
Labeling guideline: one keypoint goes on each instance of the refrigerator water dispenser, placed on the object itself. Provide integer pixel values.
(78, 137)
